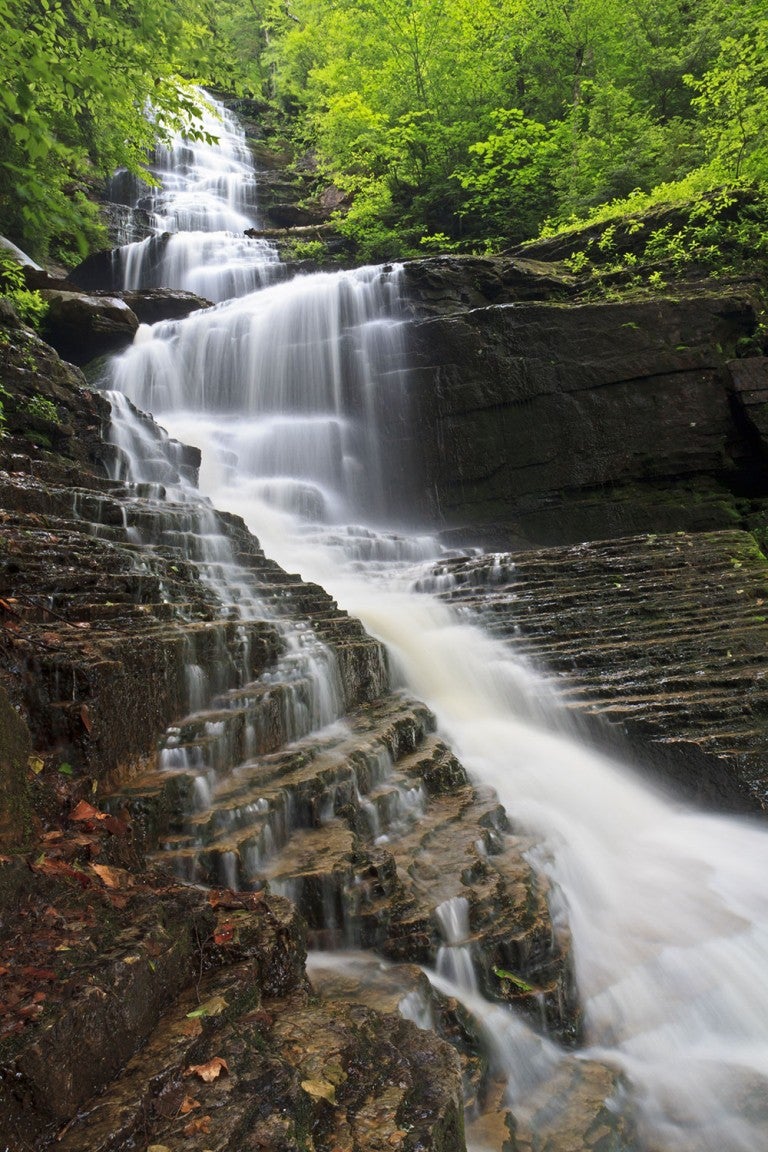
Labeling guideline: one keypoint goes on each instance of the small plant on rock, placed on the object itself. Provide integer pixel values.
(28, 304)
(43, 409)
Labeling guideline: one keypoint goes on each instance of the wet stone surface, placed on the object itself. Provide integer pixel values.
(657, 644)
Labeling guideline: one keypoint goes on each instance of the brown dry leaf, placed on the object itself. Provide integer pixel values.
(210, 1071)
(112, 877)
(115, 826)
(224, 934)
(117, 899)
(188, 1104)
(224, 899)
(201, 1124)
(46, 866)
(85, 716)
(85, 811)
(31, 973)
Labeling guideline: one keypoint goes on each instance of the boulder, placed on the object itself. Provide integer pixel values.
(82, 327)
(155, 304)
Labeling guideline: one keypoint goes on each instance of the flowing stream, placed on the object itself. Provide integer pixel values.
(284, 386)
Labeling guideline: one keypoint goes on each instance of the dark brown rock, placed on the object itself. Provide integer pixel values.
(549, 422)
(15, 801)
(82, 327)
(157, 304)
(658, 647)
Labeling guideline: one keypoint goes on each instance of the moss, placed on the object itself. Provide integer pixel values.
(15, 800)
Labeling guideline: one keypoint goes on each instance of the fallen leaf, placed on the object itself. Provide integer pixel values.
(115, 826)
(36, 764)
(112, 877)
(201, 1124)
(188, 1104)
(49, 867)
(38, 973)
(168, 1103)
(191, 1028)
(213, 1007)
(320, 1089)
(117, 899)
(86, 811)
(210, 1071)
(224, 934)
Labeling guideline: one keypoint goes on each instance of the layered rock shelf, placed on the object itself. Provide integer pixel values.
(546, 419)
(656, 643)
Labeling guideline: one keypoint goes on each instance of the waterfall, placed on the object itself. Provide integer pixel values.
(292, 392)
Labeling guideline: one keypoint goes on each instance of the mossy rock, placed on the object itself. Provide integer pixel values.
(15, 805)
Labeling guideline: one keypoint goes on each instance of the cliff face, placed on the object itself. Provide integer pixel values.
(545, 421)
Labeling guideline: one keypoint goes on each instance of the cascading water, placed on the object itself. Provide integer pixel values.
(197, 214)
(285, 390)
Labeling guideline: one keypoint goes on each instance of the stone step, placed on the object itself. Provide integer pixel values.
(336, 821)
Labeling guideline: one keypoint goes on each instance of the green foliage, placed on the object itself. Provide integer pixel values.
(4, 394)
(511, 177)
(463, 123)
(306, 250)
(732, 99)
(474, 121)
(77, 78)
(28, 303)
(42, 409)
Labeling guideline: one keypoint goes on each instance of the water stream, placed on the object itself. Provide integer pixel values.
(285, 389)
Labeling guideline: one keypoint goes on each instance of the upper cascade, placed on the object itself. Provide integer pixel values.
(204, 201)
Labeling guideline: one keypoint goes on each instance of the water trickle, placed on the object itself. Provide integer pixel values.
(454, 959)
(297, 396)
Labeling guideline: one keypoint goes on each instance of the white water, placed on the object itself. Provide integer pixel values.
(282, 390)
(204, 204)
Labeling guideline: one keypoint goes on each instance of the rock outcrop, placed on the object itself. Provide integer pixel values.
(543, 420)
(189, 1001)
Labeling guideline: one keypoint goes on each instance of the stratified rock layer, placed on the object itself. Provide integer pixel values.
(658, 644)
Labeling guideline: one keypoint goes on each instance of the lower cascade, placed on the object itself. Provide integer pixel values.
(596, 951)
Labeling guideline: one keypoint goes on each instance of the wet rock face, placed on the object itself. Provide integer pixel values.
(657, 644)
(545, 422)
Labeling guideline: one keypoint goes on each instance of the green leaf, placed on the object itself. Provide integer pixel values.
(504, 974)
